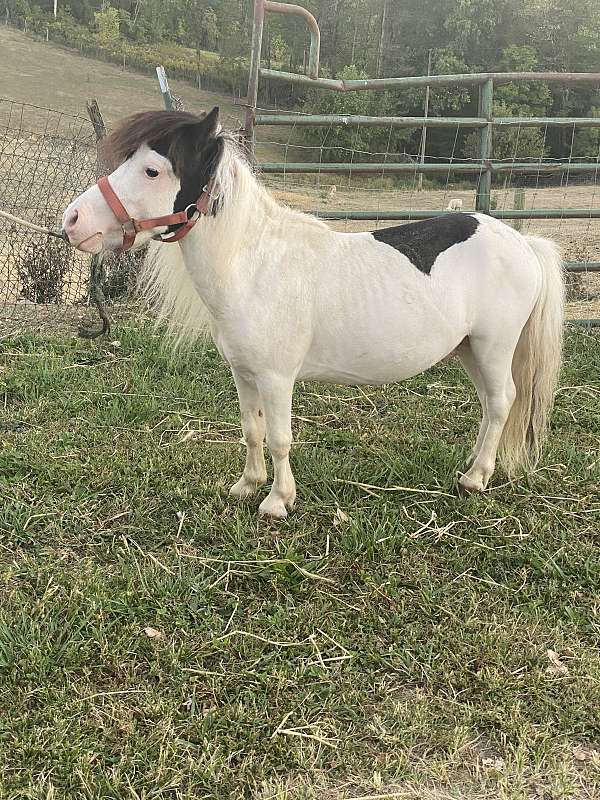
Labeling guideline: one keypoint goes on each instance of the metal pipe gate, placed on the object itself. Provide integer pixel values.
(485, 122)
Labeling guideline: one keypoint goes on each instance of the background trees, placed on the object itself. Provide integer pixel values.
(373, 37)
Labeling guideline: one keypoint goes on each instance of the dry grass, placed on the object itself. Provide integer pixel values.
(50, 76)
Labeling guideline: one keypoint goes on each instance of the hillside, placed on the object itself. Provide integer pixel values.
(47, 75)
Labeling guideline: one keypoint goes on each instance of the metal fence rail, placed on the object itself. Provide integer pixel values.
(485, 123)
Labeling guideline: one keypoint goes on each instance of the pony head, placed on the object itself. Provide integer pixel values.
(165, 159)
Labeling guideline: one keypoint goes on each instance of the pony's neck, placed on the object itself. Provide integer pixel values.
(223, 247)
(214, 265)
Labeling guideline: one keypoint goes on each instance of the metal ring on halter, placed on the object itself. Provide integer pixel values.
(195, 211)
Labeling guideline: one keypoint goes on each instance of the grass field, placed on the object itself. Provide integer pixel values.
(157, 640)
(50, 76)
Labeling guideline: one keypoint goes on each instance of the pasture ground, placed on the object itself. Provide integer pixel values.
(389, 640)
(50, 76)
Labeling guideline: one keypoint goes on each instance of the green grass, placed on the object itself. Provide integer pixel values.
(385, 642)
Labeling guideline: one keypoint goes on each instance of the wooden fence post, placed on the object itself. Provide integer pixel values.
(97, 274)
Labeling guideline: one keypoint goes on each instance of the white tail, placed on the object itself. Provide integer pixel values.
(167, 286)
(536, 365)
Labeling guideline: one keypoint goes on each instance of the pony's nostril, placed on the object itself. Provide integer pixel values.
(73, 218)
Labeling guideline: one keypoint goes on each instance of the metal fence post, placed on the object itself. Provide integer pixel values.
(486, 103)
(519, 205)
(251, 99)
(164, 88)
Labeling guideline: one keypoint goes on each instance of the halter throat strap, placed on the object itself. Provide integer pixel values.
(131, 227)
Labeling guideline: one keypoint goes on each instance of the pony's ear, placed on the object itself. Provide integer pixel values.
(200, 134)
(211, 120)
(193, 140)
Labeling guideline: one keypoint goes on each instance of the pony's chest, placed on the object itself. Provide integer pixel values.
(246, 349)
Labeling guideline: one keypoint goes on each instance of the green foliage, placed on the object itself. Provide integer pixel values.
(524, 99)
(514, 144)
(17, 9)
(209, 25)
(107, 24)
(517, 100)
(279, 49)
(586, 143)
(338, 143)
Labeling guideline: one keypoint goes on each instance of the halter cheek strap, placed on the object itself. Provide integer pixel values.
(131, 227)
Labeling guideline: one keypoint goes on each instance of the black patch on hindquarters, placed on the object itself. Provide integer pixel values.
(422, 242)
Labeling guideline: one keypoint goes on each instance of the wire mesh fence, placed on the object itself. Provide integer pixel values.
(46, 158)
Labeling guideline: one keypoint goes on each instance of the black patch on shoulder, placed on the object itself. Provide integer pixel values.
(422, 242)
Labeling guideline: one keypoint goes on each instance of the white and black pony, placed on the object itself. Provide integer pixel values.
(288, 299)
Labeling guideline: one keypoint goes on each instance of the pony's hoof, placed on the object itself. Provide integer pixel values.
(275, 507)
(244, 488)
(467, 485)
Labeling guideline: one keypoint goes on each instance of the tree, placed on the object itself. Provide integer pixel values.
(517, 100)
(210, 29)
(107, 24)
(341, 142)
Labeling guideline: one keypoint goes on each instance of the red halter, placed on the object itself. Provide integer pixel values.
(131, 227)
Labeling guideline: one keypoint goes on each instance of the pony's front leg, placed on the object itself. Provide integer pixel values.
(253, 428)
(276, 397)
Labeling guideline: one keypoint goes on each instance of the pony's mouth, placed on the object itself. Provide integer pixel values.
(93, 244)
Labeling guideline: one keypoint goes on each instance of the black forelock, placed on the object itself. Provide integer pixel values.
(177, 135)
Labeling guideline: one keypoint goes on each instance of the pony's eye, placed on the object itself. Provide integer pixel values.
(151, 172)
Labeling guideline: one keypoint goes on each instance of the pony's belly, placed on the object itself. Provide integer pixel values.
(372, 365)
(383, 344)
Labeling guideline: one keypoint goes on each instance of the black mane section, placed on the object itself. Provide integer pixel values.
(422, 242)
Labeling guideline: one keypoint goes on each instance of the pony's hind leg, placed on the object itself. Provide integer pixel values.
(253, 428)
(467, 359)
(493, 360)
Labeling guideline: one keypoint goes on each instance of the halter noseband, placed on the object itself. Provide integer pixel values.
(131, 227)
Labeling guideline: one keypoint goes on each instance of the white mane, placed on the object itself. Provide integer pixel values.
(166, 285)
